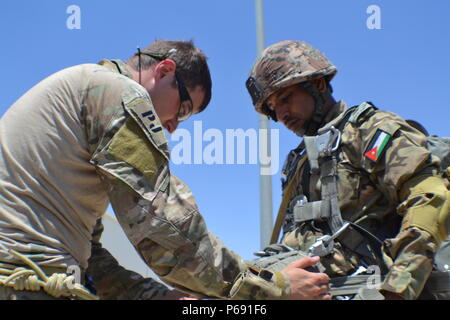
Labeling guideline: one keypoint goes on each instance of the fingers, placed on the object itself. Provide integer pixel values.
(323, 278)
(305, 262)
(324, 289)
(307, 285)
(321, 292)
(325, 297)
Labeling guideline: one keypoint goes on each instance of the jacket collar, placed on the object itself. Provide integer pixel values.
(116, 65)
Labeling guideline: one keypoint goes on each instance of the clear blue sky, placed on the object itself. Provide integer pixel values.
(403, 67)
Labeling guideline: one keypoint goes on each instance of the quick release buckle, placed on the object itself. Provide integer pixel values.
(328, 142)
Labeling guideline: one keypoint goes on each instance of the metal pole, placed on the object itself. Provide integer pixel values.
(265, 180)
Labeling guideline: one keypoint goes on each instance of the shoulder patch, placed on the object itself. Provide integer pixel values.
(130, 145)
(377, 145)
(142, 111)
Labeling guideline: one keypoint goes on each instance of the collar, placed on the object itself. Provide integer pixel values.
(335, 111)
(116, 65)
(334, 116)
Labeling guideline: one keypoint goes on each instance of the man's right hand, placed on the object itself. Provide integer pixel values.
(307, 285)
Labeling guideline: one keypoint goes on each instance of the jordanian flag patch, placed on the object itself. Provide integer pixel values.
(377, 145)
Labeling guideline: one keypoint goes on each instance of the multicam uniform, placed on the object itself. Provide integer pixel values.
(374, 193)
(88, 135)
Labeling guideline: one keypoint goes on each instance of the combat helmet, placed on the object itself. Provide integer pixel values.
(286, 63)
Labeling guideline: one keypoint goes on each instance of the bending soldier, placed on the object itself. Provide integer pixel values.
(361, 188)
(93, 134)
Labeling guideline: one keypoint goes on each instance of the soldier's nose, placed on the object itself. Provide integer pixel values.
(171, 125)
(282, 113)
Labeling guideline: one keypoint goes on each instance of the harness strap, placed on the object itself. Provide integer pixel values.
(323, 147)
(348, 285)
(328, 174)
(316, 210)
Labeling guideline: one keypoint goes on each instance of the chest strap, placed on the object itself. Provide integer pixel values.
(323, 147)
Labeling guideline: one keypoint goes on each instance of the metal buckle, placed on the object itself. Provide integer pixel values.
(328, 142)
(325, 244)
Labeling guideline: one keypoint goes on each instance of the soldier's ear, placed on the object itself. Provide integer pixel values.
(165, 68)
(320, 84)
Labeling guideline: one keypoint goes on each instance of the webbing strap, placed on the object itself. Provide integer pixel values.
(324, 146)
(328, 173)
(313, 153)
(315, 210)
(347, 285)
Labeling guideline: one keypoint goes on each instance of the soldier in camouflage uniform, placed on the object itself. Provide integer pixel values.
(93, 134)
(387, 182)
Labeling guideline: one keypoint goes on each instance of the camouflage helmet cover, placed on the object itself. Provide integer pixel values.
(283, 64)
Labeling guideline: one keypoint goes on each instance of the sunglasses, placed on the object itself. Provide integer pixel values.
(186, 106)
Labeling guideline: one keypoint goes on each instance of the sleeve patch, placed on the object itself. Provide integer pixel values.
(131, 145)
(377, 145)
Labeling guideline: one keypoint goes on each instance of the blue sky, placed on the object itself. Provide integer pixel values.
(402, 67)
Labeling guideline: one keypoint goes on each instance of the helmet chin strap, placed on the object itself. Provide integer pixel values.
(320, 98)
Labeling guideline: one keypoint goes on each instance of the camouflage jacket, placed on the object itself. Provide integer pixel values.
(95, 137)
(369, 193)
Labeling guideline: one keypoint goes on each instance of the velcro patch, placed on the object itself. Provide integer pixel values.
(377, 145)
(142, 111)
(132, 146)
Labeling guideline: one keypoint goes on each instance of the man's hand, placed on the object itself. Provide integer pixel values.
(307, 285)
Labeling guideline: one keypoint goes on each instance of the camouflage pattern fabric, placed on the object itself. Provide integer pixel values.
(95, 137)
(114, 282)
(370, 193)
(286, 63)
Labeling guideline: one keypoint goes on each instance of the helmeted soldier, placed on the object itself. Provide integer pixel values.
(93, 134)
(361, 188)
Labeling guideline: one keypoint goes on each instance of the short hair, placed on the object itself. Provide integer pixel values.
(192, 67)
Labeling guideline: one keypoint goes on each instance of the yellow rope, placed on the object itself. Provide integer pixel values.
(57, 285)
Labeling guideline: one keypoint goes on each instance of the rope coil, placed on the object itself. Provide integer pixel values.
(57, 285)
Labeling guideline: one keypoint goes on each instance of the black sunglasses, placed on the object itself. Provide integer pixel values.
(186, 104)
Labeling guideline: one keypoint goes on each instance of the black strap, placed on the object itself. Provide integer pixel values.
(375, 243)
(117, 66)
